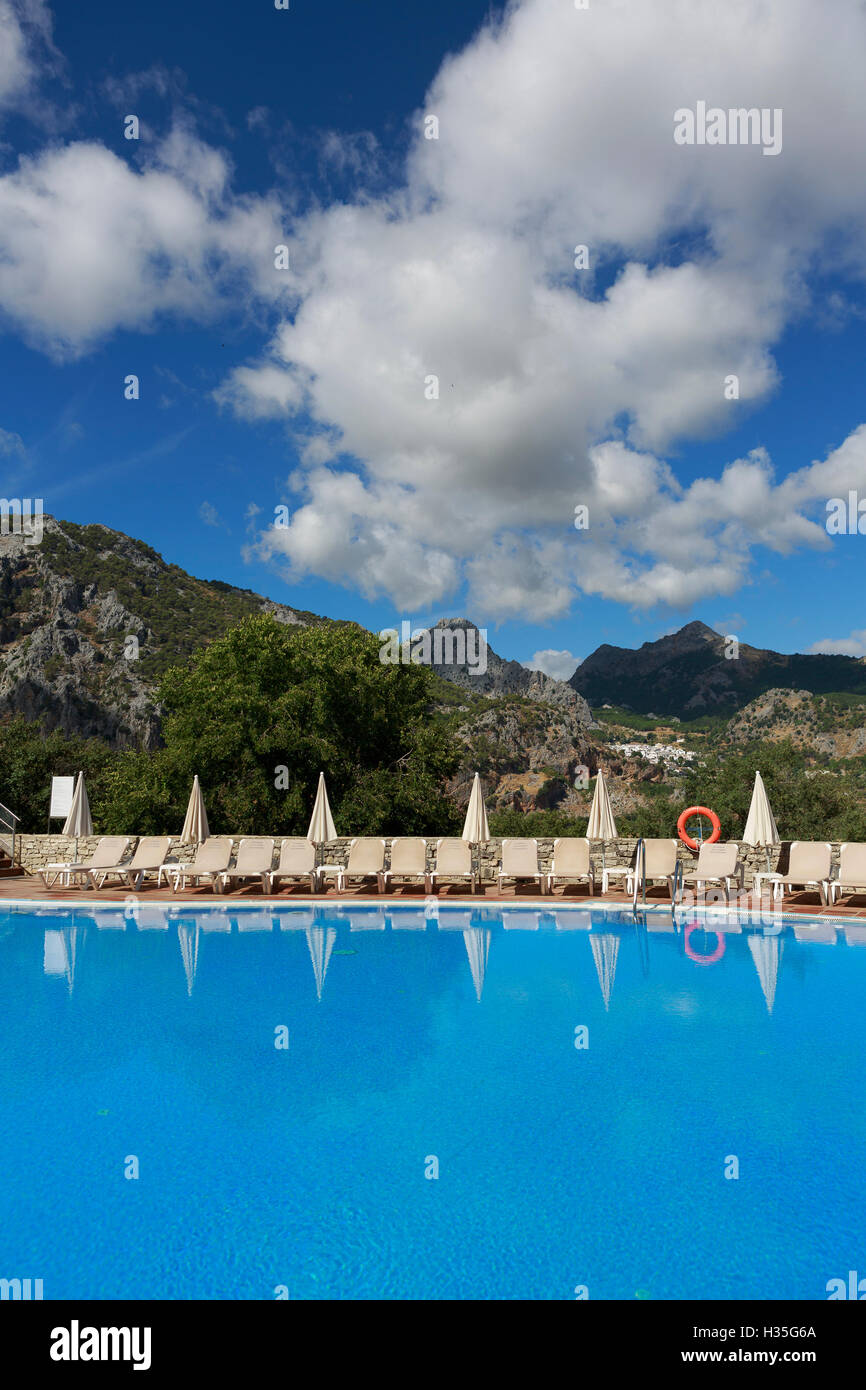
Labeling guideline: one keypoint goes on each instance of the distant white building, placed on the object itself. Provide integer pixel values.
(668, 753)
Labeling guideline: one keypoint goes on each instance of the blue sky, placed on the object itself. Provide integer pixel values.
(451, 256)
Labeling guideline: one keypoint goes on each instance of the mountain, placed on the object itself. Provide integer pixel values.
(89, 620)
(488, 674)
(696, 671)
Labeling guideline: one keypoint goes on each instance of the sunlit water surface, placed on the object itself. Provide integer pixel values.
(585, 1088)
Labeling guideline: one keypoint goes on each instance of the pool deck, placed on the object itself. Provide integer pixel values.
(25, 887)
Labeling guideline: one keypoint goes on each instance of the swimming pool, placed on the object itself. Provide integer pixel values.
(582, 1082)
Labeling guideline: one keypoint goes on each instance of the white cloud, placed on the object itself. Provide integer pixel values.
(556, 128)
(852, 645)
(25, 39)
(209, 514)
(730, 626)
(11, 444)
(88, 245)
(559, 664)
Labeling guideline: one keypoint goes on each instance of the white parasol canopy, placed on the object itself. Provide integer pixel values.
(322, 826)
(475, 828)
(78, 821)
(195, 826)
(760, 823)
(601, 825)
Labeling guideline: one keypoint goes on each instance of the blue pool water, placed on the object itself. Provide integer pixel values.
(153, 1036)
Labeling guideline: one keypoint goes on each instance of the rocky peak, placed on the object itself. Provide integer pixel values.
(471, 663)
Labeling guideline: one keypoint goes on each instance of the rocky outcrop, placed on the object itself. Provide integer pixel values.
(89, 619)
(489, 674)
(529, 755)
(814, 724)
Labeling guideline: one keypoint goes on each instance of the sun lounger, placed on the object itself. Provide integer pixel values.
(109, 850)
(808, 866)
(660, 863)
(408, 862)
(717, 864)
(851, 877)
(571, 863)
(254, 860)
(366, 861)
(149, 858)
(453, 862)
(297, 861)
(520, 862)
(212, 858)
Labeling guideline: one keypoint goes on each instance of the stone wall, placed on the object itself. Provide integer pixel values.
(34, 852)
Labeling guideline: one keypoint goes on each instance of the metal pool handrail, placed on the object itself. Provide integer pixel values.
(678, 885)
(639, 878)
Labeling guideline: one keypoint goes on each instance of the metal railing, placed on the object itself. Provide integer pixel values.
(639, 874)
(8, 821)
(677, 885)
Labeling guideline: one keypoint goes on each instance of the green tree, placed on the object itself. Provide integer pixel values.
(30, 757)
(805, 808)
(258, 713)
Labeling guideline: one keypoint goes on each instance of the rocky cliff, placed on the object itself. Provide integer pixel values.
(90, 618)
(501, 677)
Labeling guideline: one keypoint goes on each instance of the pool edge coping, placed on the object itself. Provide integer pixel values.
(598, 904)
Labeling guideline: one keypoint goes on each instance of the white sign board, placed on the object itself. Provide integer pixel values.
(62, 792)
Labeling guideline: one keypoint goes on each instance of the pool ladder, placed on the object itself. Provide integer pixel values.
(678, 885)
(640, 879)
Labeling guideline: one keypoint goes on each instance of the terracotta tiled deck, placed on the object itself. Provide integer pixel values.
(31, 887)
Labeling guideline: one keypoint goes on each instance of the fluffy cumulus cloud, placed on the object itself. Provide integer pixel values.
(168, 240)
(555, 387)
(559, 664)
(556, 129)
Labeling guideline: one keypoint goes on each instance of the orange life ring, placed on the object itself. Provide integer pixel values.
(698, 811)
